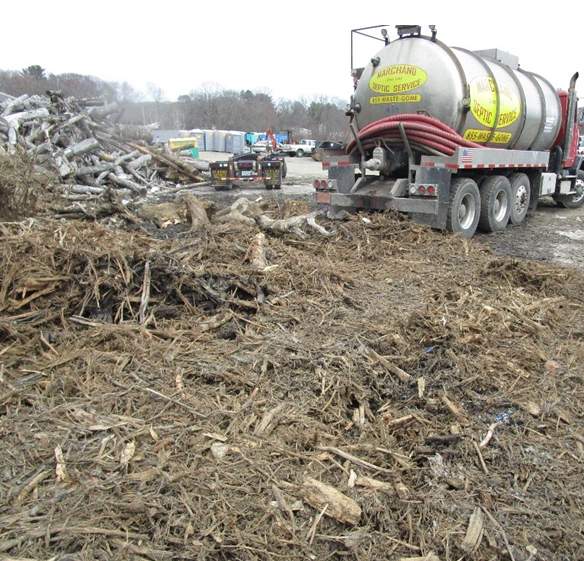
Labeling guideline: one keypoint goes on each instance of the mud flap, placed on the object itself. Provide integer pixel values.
(442, 177)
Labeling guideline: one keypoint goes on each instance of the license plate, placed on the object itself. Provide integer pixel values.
(323, 198)
(220, 174)
(245, 173)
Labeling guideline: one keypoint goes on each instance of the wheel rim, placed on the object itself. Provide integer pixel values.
(500, 205)
(467, 211)
(520, 199)
(579, 191)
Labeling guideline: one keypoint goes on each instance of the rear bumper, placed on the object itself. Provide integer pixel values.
(378, 202)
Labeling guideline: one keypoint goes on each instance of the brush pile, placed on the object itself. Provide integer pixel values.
(78, 141)
(383, 392)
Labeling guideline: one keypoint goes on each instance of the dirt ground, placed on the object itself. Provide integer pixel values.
(367, 389)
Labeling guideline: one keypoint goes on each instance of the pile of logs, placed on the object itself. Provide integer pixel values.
(78, 140)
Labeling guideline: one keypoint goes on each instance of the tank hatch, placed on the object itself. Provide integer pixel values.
(503, 57)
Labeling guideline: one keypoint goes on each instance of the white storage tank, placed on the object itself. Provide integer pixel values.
(483, 96)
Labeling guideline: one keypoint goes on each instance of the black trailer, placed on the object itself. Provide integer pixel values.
(237, 171)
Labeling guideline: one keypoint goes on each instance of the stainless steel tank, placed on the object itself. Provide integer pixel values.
(485, 97)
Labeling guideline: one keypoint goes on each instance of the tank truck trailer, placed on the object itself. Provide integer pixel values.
(459, 140)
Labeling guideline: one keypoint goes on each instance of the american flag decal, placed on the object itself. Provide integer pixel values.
(467, 154)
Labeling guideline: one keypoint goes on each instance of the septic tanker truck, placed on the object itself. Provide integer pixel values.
(459, 140)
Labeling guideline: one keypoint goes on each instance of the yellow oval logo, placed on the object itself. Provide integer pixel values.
(510, 107)
(397, 78)
(484, 103)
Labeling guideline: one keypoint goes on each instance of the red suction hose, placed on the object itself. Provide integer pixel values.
(421, 129)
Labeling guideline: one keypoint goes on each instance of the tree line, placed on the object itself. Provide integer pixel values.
(211, 107)
(207, 107)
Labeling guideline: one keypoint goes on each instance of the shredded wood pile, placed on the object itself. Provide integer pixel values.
(235, 392)
(79, 141)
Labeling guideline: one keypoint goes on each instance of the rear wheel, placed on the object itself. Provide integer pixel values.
(464, 207)
(300, 152)
(575, 200)
(520, 197)
(496, 203)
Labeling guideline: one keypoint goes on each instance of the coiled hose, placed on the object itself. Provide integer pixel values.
(426, 134)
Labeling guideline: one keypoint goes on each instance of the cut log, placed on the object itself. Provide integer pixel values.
(133, 132)
(17, 104)
(196, 212)
(174, 163)
(104, 111)
(22, 116)
(123, 182)
(256, 253)
(87, 145)
(338, 506)
(86, 189)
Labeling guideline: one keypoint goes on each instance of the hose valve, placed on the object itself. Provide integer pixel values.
(378, 162)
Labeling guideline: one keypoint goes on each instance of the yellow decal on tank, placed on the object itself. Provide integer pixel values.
(483, 95)
(397, 78)
(510, 108)
(404, 98)
(479, 136)
(502, 137)
(475, 135)
(483, 100)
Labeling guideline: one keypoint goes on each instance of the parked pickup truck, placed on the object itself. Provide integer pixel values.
(305, 146)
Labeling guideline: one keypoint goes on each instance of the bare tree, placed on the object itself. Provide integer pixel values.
(126, 93)
(155, 92)
(210, 106)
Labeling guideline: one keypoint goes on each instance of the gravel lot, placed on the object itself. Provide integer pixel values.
(298, 182)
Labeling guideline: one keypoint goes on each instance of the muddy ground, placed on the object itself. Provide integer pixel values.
(369, 390)
(549, 235)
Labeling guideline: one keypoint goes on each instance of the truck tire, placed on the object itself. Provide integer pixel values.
(520, 197)
(496, 203)
(464, 207)
(300, 152)
(577, 199)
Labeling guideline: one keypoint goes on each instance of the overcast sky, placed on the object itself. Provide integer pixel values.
(291, 50)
